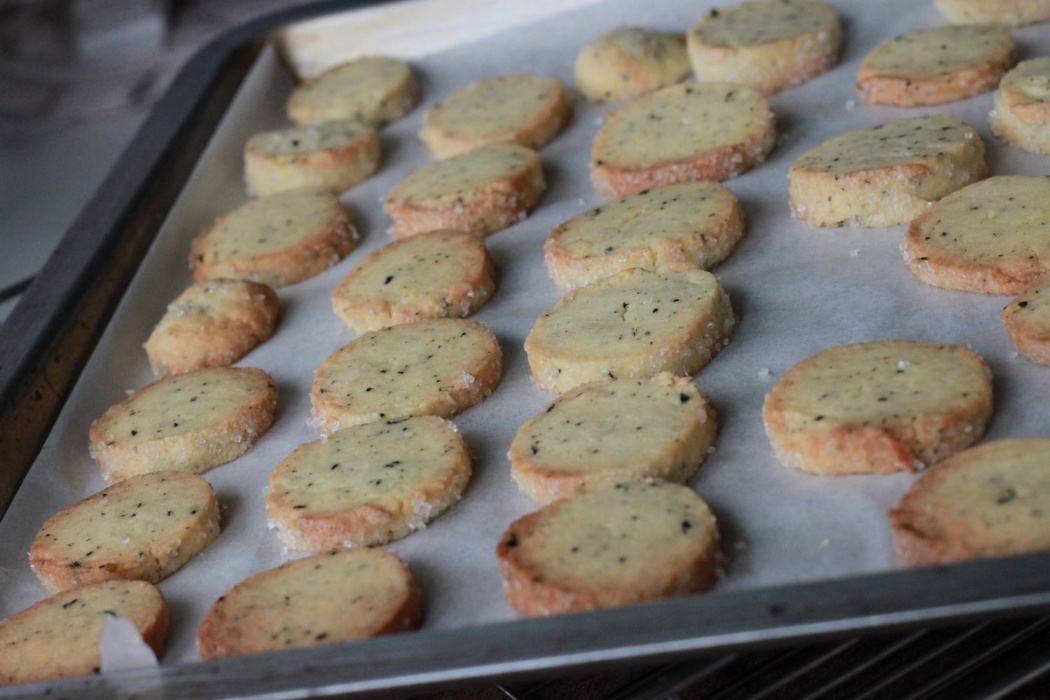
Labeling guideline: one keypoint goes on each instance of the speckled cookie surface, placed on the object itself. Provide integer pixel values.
(628, 62)
(1021, 116)
(375, 91)
(1010, 13)
(1027, 320)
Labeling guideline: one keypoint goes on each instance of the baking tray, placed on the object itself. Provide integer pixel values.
(51, 334)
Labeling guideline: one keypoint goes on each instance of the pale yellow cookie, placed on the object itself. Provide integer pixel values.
(523, 109)
(190, 422)
(767, 45)
(1021, 115)
(438, 367)
(1027, 320)
(1009, 13)
(333, 156)
(632, 325)
(212, 324)
(879, 407)
(440, 274)
(628, 62)
(621, 543)
(934, 66)
(375, 91)
(480, 192)
(887, 174)
(694, 222)
(277, 240)
(682, 133)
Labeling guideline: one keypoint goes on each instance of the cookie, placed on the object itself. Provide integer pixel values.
(277, 240)
(1021, 115)
(190, 423)
(1010, 13)
(1027, 320)
(480, 192)
(439, 274)
(369, 484)
(934, 66)
(632, 325)
(144, 529)
(438, 367)
(628, 62)
(694, 222)
(621, 543)
(887, 174)
(523, 109)
(333, 156)
(375, 91)
(212, 324)
(611, 431)
(59, 637)
(334, 597)
(987, 501)
(682, 133)
(879, 407)
(992, 237)
(767, 45)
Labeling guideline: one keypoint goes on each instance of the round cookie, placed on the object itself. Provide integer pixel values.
(887, 174)
(438, 367)
(632, 325)
(369, 484)
(621, 543)
(335, 597)
(1021, 115)
(480, 192)
(987, 501)
(767, 45)
(277, 240)
(59, 637)
(682, 133)
(333, 156)
(694, 222)
(1010, 13)
(375, 91)
(1027, 320)
(212, 324)
(992, 237)
(439, 274)
(523, 109)
(190, 423)
(878, 407)
(610, 431)
(145, 529)
(628, 62)
(934, 66)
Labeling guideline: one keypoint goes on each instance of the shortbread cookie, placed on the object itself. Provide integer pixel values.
(682, 133)
(991, 237)
(523, 109)
(632, 325)
(59, 637)
(988, 501)
(694, 222)
(623, 542)
(1027, 320)
(334, 597)
(887, 174)
(145, 529)
(369, 484)
(611, 431)
(190, 422)
(934, 66)
(438, 367)
(276, 240)
(480, 192)
(1021, 116)
(629, 62)
(375, 91)
(333, 156)
(212, 324)
(439, 274)
(1010, 13)
(767, 45)
(878, 407)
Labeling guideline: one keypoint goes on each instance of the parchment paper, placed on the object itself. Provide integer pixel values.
(795, 289)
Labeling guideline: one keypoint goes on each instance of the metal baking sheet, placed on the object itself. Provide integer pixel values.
(795, 289)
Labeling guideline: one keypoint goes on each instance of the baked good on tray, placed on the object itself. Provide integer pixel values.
(628, 62)
(1027, 320)
(1009, 13)
(1021, 115)
(375, 90)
